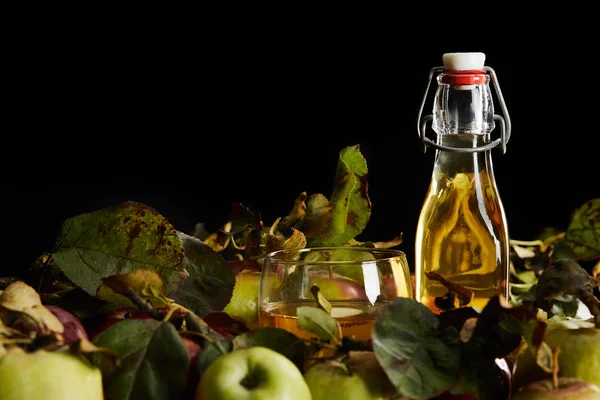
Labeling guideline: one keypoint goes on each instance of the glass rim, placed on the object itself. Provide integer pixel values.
(389, 254)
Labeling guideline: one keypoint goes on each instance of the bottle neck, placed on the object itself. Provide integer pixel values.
(463, 108)
(451, 163)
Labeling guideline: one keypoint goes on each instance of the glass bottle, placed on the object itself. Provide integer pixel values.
(462, 236)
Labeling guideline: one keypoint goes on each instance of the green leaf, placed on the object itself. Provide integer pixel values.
(117, 240)
(317, 216)
(323, 303)
(543, 357)
(500, 328)
(125, 337)
(528, 277)
(350, 203)
(211, 351)
(583, 233)
(566, 305)
(317, 321)
(210, 284)
(420, 359)
(276, 339)
(156, 371)
(565, 277)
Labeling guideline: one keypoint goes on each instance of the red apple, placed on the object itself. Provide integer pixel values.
(103, 322)
(193, 375)
(74, 330)
(338, 287)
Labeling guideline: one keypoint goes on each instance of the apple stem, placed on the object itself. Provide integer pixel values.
(143, 305)
(555, 367)
(196, 324)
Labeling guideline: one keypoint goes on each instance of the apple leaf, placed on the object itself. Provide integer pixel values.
(124, 337)
(146, 283)
(139, 280)
(117, 240)
(276, 241)
(224, 322)
(388, 244)
(565, 277)
(317, 216)
(420, 359)
(323, 303)
(84, 346)
(298, 212)
(544, 357)
(500, 328)
(276, 339)
(317, 321)
(245, 227)
(497, 332)
(210, 284)
(157, 369)
(457, 317)
(583, 234)
(211, 351)
(350, 203)
(21, 298)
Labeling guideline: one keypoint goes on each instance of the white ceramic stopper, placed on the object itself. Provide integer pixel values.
(463, 61)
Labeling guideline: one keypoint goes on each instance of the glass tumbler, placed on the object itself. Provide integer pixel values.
(357, 281)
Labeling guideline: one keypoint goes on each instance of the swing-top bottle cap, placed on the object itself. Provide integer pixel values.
(463, 61)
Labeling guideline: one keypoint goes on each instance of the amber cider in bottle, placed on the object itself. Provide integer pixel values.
(462, 236)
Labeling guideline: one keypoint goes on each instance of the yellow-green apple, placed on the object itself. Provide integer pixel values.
(568, 388)
(243, 305)
(579, 357)
(48, 375)
(252, 373)
(361, 379)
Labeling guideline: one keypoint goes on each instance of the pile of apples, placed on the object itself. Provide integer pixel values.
(55, 371)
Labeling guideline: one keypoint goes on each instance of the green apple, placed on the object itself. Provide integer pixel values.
(243, 305)
(568, 388)
(48, 375)
(252, 373)
(364, 379)
(579, 357)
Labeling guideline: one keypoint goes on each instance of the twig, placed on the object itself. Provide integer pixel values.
(555, 367)
(143, 305)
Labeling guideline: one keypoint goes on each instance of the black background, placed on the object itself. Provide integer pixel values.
(191, 121)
